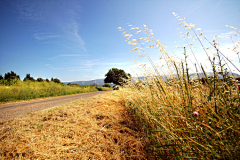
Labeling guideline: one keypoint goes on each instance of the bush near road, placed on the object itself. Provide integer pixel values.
(23, 90)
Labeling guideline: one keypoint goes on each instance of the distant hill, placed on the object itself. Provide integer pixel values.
(100, 82)
(192, 75)
(210, 74)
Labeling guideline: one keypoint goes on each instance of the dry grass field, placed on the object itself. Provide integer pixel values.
(96, 128)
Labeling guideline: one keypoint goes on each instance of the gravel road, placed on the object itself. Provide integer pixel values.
(19, 109)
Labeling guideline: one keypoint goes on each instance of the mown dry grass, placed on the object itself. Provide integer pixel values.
(97, 128)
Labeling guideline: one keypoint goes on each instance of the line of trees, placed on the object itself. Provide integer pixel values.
(114, 75)
(11, 78)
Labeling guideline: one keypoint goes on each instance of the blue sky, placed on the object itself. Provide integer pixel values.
(79, 39)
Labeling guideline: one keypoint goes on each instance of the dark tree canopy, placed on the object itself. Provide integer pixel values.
(8, 76)
(107, 85)
(28, 78)
(40, 80)
(116, 76)
(56, 80)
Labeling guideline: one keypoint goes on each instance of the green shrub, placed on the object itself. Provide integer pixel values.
(107, 85)
(103, 88)
(22, 90)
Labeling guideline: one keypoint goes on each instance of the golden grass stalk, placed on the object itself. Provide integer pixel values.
(183, 117)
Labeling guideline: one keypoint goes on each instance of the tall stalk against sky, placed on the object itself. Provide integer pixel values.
(185, 116)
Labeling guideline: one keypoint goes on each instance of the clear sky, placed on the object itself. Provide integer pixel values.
(77, 40)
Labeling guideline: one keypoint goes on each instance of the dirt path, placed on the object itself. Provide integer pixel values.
(18, 109)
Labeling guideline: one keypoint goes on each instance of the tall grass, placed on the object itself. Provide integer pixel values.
(30, 90)
(185, 117)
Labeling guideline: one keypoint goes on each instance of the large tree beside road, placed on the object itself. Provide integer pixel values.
(117, 76)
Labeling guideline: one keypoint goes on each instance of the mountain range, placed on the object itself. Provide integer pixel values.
(100, 82)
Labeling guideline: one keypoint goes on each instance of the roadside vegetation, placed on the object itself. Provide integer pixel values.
(184, 116)
(13, 89)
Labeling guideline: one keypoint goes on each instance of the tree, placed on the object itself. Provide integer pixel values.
(107, 85)
(47, 80)
(8, 76)
(28, 78)
(1, 77)
(94, 84)
(117, 76)
(56, 80)
(40, 80)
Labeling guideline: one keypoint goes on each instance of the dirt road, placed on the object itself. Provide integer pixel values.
(18, 109)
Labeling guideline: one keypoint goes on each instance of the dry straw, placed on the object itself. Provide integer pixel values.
(97, 128)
